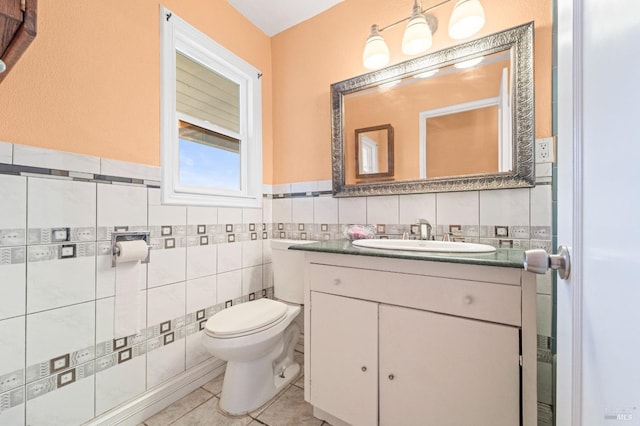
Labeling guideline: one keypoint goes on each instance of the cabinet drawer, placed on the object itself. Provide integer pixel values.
(472, 299)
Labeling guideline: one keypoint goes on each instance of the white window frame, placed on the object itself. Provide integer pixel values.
(177, 35)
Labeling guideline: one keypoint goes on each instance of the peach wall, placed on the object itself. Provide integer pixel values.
(90, 81)
(465, 143)
(311, 56)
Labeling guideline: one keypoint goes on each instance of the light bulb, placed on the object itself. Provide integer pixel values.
(466, 19)
(376, 52)
(417, 37)
(469, 63)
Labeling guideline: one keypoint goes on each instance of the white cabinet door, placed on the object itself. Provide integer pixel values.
(442, 370)
(344, 358)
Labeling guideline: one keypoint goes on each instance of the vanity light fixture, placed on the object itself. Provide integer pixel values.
(466, 20)
(427, 74)
(376, 52)
(468, 63)
(390, 84)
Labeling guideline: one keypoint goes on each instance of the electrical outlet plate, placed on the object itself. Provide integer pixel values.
(545, 150)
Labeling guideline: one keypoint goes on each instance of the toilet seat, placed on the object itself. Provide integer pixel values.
(246, 318)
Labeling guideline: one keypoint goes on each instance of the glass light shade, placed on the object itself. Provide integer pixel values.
(466, 20)
(376, 52)
(417, 37)
(469, 63)
(427, 74)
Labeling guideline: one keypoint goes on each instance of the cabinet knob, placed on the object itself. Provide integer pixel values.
(364, 368)
(467, 300)
(391, 377)
(337, 281)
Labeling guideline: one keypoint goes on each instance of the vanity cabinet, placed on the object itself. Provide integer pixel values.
(405, 342)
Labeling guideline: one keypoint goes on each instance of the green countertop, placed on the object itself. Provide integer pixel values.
(508, 258)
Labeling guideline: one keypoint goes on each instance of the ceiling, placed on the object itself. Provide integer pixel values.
(274, 16)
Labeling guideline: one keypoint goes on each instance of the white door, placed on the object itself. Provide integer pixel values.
(598, 380)
(438, 373)
(344, 358)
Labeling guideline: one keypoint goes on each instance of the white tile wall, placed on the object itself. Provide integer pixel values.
(166, 266)
(325, 209)
(304, 187)
(229, 257)
(49, 283)
(282, 210)
(201, 261)
(458, 208)
(69, 405)
(352, 210)
(6, 152)
(51, 159)
(251, 215)
(418, 206)
(229, 286)
(508, 207)
(251, 253)
(12, 285)
(120, 383)
(202, 215)
(122, 205)
(251, 279)
(385, 209)
(302, 210)
(56, 332)
(541, 207)
(12, 352)
(165, 303)
(267, 210)
(57, 203)
(70, 301)
(13, 214)
(110, 167)
(229, 215)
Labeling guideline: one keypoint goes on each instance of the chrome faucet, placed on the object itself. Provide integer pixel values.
(424, 229)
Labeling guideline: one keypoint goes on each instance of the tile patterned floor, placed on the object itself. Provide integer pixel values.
(200, 408)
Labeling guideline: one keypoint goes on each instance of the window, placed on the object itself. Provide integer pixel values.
(211, 128)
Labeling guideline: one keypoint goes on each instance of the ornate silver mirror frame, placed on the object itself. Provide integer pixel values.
(519, 41)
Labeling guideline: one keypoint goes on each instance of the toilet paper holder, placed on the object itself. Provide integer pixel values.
(128, 236)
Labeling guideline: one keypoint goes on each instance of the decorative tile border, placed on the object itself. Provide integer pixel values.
(11, 380)
(41, 253)
(11, 399)
(59, 380)
(12, 237)
(12, 255)
(58, 235)
(54, 365)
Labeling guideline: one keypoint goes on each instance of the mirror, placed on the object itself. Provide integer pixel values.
(374, 152)
(455, 127)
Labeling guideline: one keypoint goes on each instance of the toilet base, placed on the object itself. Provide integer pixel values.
(240, 393)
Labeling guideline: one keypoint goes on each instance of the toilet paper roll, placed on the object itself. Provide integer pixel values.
(132, 250)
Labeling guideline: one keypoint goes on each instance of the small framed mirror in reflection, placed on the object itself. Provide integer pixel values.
(374, 152)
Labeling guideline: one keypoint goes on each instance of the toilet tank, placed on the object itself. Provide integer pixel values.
(288, 270)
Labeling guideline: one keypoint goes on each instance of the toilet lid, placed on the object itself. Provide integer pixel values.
(245, 317)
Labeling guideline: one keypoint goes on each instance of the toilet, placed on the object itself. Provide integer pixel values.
(257, 338)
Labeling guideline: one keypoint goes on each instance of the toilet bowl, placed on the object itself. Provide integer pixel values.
(257, 338)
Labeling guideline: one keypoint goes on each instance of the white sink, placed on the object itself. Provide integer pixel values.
(425, 245)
